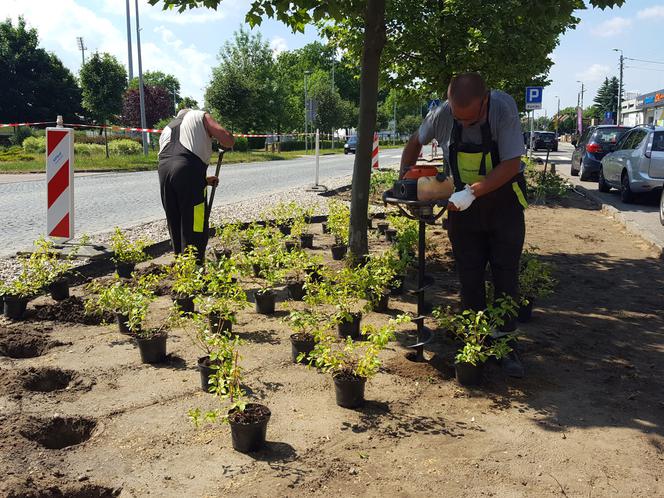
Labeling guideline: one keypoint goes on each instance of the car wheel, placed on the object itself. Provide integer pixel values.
(661, 208)
(626, 194)
(602, 186)
(583, 176)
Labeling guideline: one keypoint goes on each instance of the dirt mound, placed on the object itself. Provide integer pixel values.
(71, 310)
(31, 489)
(17, 343)
(58, 432)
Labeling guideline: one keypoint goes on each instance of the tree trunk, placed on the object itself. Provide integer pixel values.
(374, 41)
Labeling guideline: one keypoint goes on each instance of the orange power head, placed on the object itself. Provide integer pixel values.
(419, 171)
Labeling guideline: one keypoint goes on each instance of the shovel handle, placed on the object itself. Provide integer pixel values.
(214, 188)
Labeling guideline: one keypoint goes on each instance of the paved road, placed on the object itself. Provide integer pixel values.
(642, 216)
(104, 200)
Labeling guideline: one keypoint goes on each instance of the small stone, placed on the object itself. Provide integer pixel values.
(82, 478)
(353, 471)
(167, 478)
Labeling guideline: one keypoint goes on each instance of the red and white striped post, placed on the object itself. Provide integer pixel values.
(374, 153)
(60, 183)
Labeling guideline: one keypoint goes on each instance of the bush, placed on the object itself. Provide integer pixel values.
(14, 153)
(34, 145)
(89, 149)
(124, 147)
(20, 134)
(241, 144)
(292, 145)
(256, 142)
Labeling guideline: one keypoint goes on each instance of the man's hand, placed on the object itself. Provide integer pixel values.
(213, 181)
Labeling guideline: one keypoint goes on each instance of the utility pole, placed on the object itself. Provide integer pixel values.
(394, 117)
(306, 111)
(620, 85)
(333, 56)
(130, 64)
(557, 116)
(82, 48)
(141, 91)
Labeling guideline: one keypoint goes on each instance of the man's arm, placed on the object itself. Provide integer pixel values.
(497, 177)
(410, 153)
(215, 130)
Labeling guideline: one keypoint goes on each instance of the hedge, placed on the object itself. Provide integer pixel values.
(124, 147)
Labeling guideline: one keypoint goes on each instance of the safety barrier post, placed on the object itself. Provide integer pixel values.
(60, 182)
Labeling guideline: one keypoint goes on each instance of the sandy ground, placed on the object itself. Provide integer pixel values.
(586, 421)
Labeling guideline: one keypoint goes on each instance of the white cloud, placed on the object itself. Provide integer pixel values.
(656, 12)
(612, 27)
(278, 45)
(596, 72)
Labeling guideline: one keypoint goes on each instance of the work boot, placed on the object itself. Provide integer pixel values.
(512, 366)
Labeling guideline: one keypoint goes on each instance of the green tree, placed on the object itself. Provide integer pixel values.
(187, 103)
(243, 90)
(487, 38)
(606, 99)
(166, 81)
(104, 81)
(34, 85)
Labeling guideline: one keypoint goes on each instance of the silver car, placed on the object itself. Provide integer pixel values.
(637, 163)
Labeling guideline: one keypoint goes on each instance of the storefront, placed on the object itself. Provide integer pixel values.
(652, 106)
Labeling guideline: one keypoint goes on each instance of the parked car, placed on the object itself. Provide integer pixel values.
(545, 140)
(637, 163)
(661, 208)
(350, 145)
(595, 143)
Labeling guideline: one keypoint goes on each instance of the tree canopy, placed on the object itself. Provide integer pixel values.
(104, 81)
(606, 99)
(34, 84)
(158, 106)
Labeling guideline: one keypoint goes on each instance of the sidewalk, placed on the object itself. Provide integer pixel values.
(640, 219)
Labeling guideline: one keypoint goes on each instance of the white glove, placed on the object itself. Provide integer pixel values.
(463, 199)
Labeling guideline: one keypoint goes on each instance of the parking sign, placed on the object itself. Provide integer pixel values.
(533, 97)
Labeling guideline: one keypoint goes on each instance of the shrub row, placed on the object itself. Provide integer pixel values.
(119, 147)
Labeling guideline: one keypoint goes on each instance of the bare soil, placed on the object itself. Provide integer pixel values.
(588, 419)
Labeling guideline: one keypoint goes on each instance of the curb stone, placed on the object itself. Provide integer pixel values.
(631, 226)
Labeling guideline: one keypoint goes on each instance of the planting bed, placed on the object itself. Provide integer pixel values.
(586, 421)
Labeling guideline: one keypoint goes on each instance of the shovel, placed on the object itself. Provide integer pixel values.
(208, 207)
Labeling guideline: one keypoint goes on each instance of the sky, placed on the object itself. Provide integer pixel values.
(187, 45)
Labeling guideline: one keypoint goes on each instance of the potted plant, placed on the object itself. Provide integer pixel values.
(300, 228)
(126, 254)
(265, 296)
(351, 363)
(224, 297)
(308, 326)
(378, 274)
(344, 290)
(228, 236)
(338, 221)
(397, 265)
(295, 272)
(188, 280)
(281, 216)
(128, 301)
(152, 344)
(474, 329)
(248, 421)
(535, 282)
(17, 293)
(47, 267)
(406, 237)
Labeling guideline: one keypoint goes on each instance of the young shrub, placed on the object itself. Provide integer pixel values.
(188, 277)
(338, 221)
(535, 277)
(125, 251)
(124, 147)
(34, 145)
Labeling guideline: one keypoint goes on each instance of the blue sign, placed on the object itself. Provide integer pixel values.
(534, 97)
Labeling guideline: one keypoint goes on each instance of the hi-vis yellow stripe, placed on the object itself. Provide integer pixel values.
(519, 195)
(199, 217)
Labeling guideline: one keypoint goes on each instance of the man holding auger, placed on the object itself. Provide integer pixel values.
(479, 131)
(185, 147)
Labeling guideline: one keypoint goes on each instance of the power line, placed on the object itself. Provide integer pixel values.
(643, 60)
(644, 68)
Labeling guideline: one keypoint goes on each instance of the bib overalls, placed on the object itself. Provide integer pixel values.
(492, 230)
(183, 185)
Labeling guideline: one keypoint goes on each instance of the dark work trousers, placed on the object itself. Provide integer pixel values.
(183, 187)
(491, 231)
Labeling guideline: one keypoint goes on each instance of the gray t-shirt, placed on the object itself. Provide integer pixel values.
(193, 135)
(504, 120)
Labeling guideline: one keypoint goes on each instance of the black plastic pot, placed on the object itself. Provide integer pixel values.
(382, 227)
(339, 251)
(301, 343)
(352, 328)
(59, 289)
(378, 216)
(2, 304)
(247, 245)
(285, 229)
(265, 302)
(14, 306)
(124, 269)
(396, 288)
(218, 325)
(257, 270)
(391, 235)
(525, 312)
(325, 228)
(185, 303)
(349, 390)
(307, 240)
(296, 290)
(248, 437)
(314, 273)
(290, 245)
(205, 369)
(153, 349)
(468, 374)
(383, 302)
(369, 222)
(122, 323)
(221, 254)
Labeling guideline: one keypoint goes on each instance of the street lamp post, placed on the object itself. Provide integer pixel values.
(130, 64)
(81, 47)
(141, 91)
(557, 116)
(620, 84)
(580, 128)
